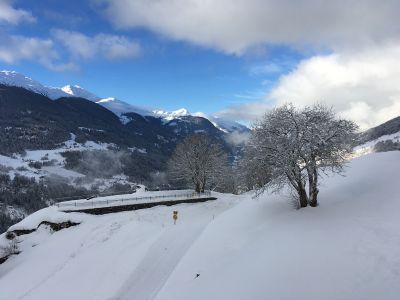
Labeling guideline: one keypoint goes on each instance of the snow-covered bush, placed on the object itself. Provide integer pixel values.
(11, 248)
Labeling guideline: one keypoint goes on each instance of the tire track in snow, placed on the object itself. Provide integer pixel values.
(164, 255)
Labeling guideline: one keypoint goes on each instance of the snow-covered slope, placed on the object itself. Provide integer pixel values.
(345, 249)
(16, 79)
(117, 106)
(222, 124)
(171, 115)
(104, 256)
(77, 91)
(233, 248)
(369, 146)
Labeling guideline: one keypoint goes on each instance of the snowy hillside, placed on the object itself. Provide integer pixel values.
(117, 106)
(77, 91)
(370, 146)
(233, 248)
(16, 79)
(54, 162)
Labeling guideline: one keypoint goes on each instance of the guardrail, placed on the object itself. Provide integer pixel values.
(124, 201)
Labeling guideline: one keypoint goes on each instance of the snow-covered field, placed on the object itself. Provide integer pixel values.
(233, 248)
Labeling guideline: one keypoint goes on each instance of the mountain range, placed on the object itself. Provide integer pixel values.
(118, 107)
(71, 122)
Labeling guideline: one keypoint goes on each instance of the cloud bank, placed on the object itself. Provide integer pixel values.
(363, 86)
(237, 26)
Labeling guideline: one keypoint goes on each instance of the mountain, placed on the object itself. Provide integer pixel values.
(384, 137)
(390, 127)
(32, 121)
(77, 91)
(12, 78)
(118, 107)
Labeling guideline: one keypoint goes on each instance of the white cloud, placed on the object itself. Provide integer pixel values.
(13, 16)
(47, 51)
(363, 86)
(81, 46)
(15, 48)
(237, 26)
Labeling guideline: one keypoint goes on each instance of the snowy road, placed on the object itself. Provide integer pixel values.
(159, 262)
(164, 255)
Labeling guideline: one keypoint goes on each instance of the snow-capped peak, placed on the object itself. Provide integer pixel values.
(170, 115)
(222, 124)
(117, 106)
(17, 79)
(77, 91)
(105, 100)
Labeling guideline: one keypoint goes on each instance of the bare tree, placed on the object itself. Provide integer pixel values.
(199, 160)
(290, 146)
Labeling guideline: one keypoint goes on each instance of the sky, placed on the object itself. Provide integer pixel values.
(232, 58)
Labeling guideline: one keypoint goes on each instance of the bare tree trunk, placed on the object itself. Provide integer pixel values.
(301, 191)
(314, 189)
(303, 199)
(310, 183)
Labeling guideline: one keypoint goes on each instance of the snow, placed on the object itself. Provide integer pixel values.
(105, 255)
(222, 124)
(20, 164)
(119, 107)
(16, 79)
(77, 91)
(50, 214)
(242, 248)
(345, 249)
(368, 147)
(171, 115)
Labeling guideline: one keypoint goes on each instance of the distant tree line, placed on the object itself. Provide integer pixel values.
(387, 145)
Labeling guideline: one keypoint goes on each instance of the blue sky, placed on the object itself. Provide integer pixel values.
(167, 74)
(236, 59)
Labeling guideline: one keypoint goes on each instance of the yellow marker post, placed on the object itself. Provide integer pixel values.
(175, 216)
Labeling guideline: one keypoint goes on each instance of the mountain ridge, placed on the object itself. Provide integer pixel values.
(117, 106)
